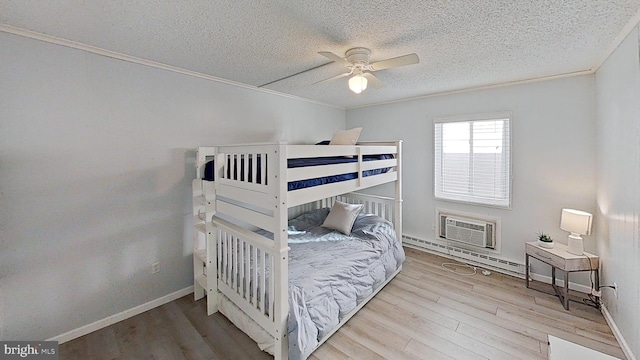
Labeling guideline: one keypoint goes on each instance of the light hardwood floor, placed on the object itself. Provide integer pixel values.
(426, 312)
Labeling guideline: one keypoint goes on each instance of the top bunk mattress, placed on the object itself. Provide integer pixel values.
(307, 162)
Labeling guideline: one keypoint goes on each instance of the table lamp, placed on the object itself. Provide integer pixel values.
(577, 223)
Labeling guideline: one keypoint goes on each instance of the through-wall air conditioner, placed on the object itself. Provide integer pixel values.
(469, 231)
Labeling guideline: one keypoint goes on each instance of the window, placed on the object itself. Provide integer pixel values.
(472, 161)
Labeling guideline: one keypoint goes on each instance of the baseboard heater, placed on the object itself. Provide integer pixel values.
(505, 266)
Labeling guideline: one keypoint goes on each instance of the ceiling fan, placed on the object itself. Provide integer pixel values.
(356, 60)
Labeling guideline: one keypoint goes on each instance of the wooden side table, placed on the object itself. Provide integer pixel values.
(560, 258)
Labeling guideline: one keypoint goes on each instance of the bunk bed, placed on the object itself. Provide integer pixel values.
(245, 247)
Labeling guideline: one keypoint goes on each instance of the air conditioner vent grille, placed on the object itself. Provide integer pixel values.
(467, 230)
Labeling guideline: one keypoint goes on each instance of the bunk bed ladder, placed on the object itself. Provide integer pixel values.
(199, 234)
(204, 270)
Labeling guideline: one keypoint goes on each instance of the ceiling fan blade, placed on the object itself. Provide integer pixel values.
(373, 80)
(403, 60)
(332, 78)
(333, 57)
(292, 75)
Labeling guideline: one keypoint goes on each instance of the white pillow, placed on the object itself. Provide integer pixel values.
(346, 137)
(342, 216)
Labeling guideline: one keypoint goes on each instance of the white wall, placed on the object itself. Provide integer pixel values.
(553, 142)
(96, 162)
(618, 191)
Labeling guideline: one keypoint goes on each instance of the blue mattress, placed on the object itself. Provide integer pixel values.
(301, 184)
(304, 162)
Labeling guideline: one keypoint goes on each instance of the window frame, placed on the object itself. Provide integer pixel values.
(507, 142)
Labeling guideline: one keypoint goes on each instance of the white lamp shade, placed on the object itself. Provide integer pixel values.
(358, 83)
(576, 221)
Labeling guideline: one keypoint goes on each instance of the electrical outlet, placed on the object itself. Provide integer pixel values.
(615, 290)
(155, 267)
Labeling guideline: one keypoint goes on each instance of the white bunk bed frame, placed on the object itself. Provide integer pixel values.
(230, 258)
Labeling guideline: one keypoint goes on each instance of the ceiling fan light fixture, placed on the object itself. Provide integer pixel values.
(356, 60)
(358, 83)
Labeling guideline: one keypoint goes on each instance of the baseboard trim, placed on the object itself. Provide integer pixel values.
(542, 278)
(626, 349)
(110, 320)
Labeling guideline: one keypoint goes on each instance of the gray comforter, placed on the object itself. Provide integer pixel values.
(331, 273)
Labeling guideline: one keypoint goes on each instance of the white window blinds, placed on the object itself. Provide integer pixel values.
(472, 161)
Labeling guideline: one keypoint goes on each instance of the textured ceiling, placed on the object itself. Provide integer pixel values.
(461, 44)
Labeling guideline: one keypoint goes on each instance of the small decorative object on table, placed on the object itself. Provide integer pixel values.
(545, 241)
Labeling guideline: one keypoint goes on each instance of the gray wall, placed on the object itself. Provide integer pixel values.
(553, 156)
(618, 227)
(96, 162)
